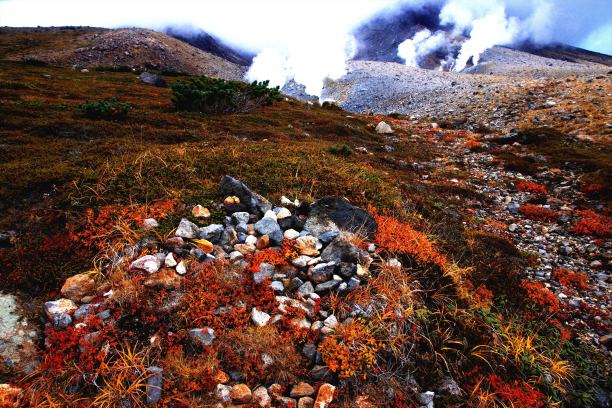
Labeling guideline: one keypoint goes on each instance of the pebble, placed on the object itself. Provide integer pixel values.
(181, 269)
(200, 212)
(259, 318)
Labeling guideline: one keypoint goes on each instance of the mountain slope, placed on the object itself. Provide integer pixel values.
(206, 42)
(136, 48)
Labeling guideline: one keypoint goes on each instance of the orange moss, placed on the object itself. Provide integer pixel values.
(517, 394)
(216, 285)
(350, 350)
(531, 187)
(541, 297)
(472, 144)
(396, 237)
(270, 256)
(577, 280)
(108, 222)
(591, 223)
(537, 213)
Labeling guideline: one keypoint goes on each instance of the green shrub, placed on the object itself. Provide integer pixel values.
(35, 62)
(341, 150)
(113, 68)
(171, 72)
(218, 96)
(106, 109)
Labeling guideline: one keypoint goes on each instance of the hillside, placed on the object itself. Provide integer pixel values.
(135, 48)
(300, 254)
(514, 97)
(206, 42)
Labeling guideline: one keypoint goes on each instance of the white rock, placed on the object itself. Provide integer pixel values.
(314, 261)
(291, 234)
(286, 201)
(181, 269)
(393, 263)
(301, 261)
(170, 262)
(222, 392)
(149, 263)
(149, 223)
(236, 256)
(331, 322)
(251, 240)
(259, 318)
(283, 213)
(277, 286)
(383, 127)
(59, 311)
(270, 214)
(362, 271)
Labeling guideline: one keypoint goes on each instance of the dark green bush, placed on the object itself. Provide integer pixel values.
(341, 150)
(113, 68)
(218, 96)
(35, 62)
(171, 72)
(107, 109)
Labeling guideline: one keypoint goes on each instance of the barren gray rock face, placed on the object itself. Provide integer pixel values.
(18, 337)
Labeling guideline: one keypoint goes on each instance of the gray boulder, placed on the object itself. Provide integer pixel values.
(336, 213)
(154, 385)
(211, 233)
(150, 78)
(269, 227)
(325, 287)
(19, 352)
(249, 201)
(383, 127)
(322, 272)
(187, 229)
(204, 336)
(341, 250)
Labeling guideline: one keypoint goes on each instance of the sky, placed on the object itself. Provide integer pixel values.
(310, 40)
(255, 24)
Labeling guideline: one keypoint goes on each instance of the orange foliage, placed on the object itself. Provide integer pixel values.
(483, 297)
(399, 238)
(516, 394)
(567, 278)
(350, 350)
(537, 213)
(541, 297)
(261, 354)
(108, 222)
(472, 144)
(531, 187)
(591, 223)
(218, 285)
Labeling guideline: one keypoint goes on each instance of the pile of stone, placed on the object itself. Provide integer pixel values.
(301, 395)
(326, 259)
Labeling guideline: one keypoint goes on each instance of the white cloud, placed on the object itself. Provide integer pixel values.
(309, 40)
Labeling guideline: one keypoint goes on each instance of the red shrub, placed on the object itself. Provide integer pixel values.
(483, 296)
(472, 144)
(569, 279)
(516, 394)
(593, 189)
(541, 297)
(399, 238)
(98, 228)
(531, 187)
(537, 213)
(220, 285)
(591, 223)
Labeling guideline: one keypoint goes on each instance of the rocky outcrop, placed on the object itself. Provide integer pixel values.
(19, 353)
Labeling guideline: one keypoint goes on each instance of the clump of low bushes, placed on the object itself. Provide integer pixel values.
(105, 109)
(218, 96)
